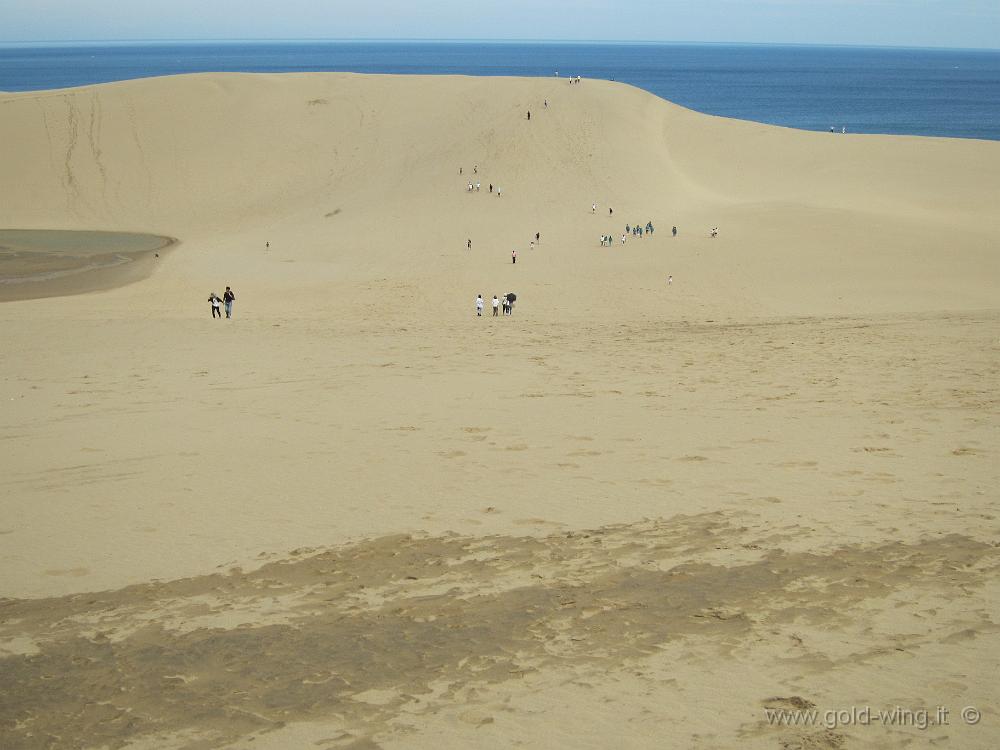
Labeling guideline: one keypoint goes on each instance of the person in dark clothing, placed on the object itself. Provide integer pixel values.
(675, 231)
(228, 297)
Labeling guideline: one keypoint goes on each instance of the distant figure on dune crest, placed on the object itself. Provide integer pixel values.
(228, 298)
(216, 303)
(675, 231)
(479, 305)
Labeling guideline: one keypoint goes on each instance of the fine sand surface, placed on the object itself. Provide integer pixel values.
(632, 514)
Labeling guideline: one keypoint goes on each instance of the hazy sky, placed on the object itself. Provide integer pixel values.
(925, 23)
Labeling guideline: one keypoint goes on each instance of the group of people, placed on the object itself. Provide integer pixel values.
(507, 303)
(636, 231)
(475, 187)
(218, 302)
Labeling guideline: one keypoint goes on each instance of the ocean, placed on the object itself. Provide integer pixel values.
(929, 92)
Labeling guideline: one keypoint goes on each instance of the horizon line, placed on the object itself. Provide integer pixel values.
(475, 40)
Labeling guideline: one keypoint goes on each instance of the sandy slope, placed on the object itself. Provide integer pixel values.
(786, 458)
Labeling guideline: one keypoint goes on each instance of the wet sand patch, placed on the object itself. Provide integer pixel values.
(38, 263)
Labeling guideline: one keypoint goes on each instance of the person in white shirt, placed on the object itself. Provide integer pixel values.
(496, 306)
(479, 305)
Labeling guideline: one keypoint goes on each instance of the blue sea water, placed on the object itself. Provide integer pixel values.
(953, 93)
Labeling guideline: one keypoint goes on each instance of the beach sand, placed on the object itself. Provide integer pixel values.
(631, 514)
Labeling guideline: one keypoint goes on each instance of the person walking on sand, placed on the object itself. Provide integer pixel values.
(216, 303)
(670, 280)
(491, 187)
(228, 298)
(513, 256)
(496, 306)
(538, 237)
(468, 244)
(593, 208)
(529, 114)
(674, 230)
(623, 239)
(479, 305)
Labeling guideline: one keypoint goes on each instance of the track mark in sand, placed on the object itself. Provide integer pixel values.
(94, 137)
(965, 452)
(68, 572)
(48, 137)
(796, 464)
(134, 129)
(317, 102)
(69, 176)
(691, 458)
(359, 635)
(331, 214)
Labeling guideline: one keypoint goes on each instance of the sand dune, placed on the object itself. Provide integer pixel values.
(633, 513)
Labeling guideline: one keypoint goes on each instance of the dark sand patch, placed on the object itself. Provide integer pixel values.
(227, 656)
(38, 263)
